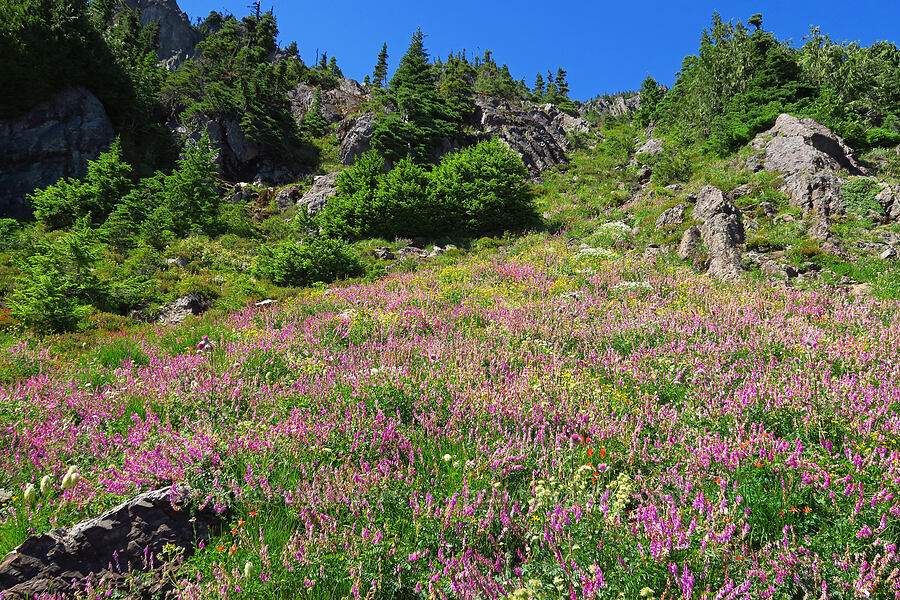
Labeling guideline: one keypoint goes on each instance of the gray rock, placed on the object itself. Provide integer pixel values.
(176, 312)
(816, 193)
(409, 252)
(798, 145)
(316, 197)
(54, 140)
(107, 546)
(687, 249)
(767, 208)
(671, 217)
(889, 199)
(265, 302)
(888, 253)
(289, 196)
(177, 39)
(616, 106)
(651, 147)
(355, 134)
(384, 253)
(177, 262)
(711, 201)
(336, 104)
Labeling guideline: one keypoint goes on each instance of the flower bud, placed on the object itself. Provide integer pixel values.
(30, 493)
(248, 570)
(46, 484)
(447, 458)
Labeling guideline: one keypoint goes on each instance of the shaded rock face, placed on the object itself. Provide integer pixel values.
(176, 312)
(671, 217)
(177, 39)
(537, 134)
(889, 199)
(54, 140)
(237, 157)
(348, 97)
(116, 542)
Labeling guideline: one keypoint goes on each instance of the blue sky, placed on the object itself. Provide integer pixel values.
(605, 46)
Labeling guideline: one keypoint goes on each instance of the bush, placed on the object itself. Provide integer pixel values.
(351, 212)
(482, 189)
(42, 300)
(859, 197)
(318, 259)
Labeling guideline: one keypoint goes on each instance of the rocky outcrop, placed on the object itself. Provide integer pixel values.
(177, 39)
(671, 217)
(55, 139)
(616, 106)
(355, 134)
(128, 537)
(347, 98)
(889, 199)
(237, 157)
(651, 147)
(176, 312)
(720, 229)
(811, 157)
(323, 188)
(537, 134)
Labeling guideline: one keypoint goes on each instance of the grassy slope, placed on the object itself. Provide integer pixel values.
(552, 418)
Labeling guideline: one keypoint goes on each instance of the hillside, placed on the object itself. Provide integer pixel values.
(441, 334)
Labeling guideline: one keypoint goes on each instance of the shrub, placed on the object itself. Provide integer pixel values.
(859, 197)
(482, 189)
(42, 300)
(318, 259)
(351, 211)
(401, 204)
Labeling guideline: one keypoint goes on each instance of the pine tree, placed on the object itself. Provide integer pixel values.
(551, 96)
(561, 84)
(313, 121)
(419, 117)
(334, 69)
(538, 91)
(379, 75)
(456, 85)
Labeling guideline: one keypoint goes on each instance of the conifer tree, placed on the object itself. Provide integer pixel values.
(456, 84)
(538, 91)
(419, 117)
(379, 75)
(334, 69)
(561, 83)
(313, 121)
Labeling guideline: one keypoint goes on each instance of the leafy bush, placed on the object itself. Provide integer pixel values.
(482, 189)
(318, 259)
(42, 300)
(859, 196)
(350, 213)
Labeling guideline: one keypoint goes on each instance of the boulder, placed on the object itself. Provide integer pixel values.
(316, 197)
(616, 106)
(108, 546)
(687, 249)
(289, 196)
(721, 230)
(889, 199)
(54, 140)
(348, 97)
(652, 147)
(176, 312)
(810, 156)
(671, 217)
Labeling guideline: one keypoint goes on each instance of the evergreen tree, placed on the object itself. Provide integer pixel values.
(650, 98)
(334, 69)
(561, 85)
(551, 95)
(379, 75)
(456, 85)
(313, 121)
(419, 117)
(538, 92)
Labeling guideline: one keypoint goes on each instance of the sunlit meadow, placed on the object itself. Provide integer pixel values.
(548, 421)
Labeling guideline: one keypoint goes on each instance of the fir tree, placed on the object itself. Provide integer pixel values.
(561, 83)
(334, 69)
(313, 121)
(379, 75)
(419, 117)
(538, 91)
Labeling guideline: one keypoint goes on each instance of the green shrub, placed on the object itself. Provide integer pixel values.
(351, 211)
(318, 259)
(42, 300)
(402, 205)
(859, 196)
(482, 189)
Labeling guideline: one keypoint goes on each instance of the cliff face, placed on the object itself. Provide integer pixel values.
(54, 140)
(177, 39)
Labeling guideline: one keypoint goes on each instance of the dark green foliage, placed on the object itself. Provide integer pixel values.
(483, 190)
(107, 181)
(401, 204)
(457, 84)
(313, 122)
(235, 78)
(651, 95)
(859, 196)
(494, 80)
(418, 118)
(538, 93)
(379, 75)
(317, 259)
(351, 212)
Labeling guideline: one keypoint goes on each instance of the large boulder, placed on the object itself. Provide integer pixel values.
(889, 199)
(177, 39)
(812, 159)
(55, 139)
(108, 546)
(616, 106)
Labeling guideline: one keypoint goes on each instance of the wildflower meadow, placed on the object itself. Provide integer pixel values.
(543, 421)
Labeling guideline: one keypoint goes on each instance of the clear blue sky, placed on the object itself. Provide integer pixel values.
(605, 46)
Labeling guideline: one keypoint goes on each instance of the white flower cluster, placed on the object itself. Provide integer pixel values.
(632, 285)
(623, 486)
(604, 253)
(615, 228)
